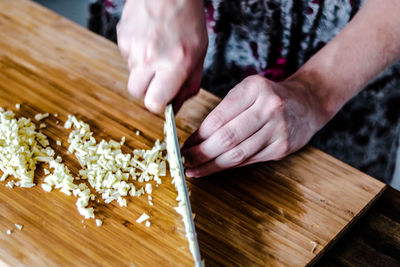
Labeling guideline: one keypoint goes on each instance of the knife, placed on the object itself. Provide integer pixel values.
(178, 179)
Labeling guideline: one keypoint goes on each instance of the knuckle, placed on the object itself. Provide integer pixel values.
(228, 138)
(120, 31)
(256, 82)
(179, 53)
(233, 95)
(201, 153)
(237, 156)
(276, 103)
(285, 130)
(123, 46)
(260, 113)
(259, 80)
(151, 53)
(284, 148)
(199, 150)
(216, 120)
(184, 58)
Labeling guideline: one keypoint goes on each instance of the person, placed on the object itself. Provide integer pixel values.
(292, 65)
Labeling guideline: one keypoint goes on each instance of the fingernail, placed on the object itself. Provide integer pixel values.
(187, 162)
(153, 105)
(191, 173)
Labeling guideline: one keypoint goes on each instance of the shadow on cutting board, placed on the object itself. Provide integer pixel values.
(242, 216)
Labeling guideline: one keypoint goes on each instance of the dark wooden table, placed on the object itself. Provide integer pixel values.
(374, 240)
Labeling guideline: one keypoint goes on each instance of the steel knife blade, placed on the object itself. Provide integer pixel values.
(178, 176)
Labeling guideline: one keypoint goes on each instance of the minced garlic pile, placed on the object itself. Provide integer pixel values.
(21, 148)
(107, 170)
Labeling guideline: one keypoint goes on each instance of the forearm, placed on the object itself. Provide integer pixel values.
(366, 46)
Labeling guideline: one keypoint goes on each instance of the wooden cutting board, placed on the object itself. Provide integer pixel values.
(276, 213)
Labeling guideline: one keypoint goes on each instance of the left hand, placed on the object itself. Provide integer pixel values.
(259, 120)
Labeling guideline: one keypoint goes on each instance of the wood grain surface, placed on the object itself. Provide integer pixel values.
(266, 214)
(374, 240)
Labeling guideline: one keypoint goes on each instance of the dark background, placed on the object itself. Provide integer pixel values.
(75, 10)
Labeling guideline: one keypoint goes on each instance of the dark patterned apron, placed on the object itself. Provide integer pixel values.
(274, 38)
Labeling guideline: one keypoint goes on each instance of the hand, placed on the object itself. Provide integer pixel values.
(164, 42)
(258, 120)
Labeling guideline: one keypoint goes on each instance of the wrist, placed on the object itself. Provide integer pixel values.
(324, 87)
(316, 93)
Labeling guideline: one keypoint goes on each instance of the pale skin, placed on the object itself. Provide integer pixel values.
(259, 120)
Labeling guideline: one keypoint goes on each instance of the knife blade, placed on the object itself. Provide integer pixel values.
(178, 178)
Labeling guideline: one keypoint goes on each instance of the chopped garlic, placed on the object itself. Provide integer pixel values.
(9, 232)
(86, 212)
(56, 115)
(147, 223)
(142, 218)
(148, 189)
(10, 184)
(99, 222)
(19, 226)
(17, 106)
(151, 203)
(41, 116)
(137, 133)
(4, 177)
(107, 169)
(46, 187)
(42, 125)
(121, 201)
(58, 143)
(21, 148)
(139, 192)
(314, 246)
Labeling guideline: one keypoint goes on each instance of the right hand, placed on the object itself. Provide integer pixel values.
(164, 42)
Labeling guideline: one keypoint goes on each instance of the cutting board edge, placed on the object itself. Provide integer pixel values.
(353, 221)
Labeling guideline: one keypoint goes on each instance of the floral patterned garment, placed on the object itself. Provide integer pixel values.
(274, 38)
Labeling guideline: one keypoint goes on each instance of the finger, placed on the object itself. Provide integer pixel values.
(130, 50)
(275, 151)
(163, 88)
(185, 93)
(125, 29)
(139, 80)
(191, 87)
(230, 107)
(136, 56)
(122, 41)
(226, 137)
(237, 155)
